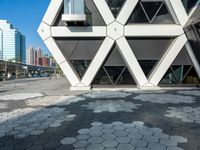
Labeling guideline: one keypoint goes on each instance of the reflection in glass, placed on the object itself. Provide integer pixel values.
(74, 6)
(180, 74)
(189, 4)
(80, 66)
(115, 6)
(154, 12)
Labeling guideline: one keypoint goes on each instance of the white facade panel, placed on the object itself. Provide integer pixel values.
(115, 32)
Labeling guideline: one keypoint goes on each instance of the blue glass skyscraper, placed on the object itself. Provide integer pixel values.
(12, 43)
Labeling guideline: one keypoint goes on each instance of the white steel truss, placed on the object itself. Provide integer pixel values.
(116, 31)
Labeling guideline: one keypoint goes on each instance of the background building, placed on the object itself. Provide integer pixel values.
(13, 43)
(1, 44)
(35, 57)
(113, 43)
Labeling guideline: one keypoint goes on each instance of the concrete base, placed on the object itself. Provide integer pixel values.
(150, 88)
(80, 88)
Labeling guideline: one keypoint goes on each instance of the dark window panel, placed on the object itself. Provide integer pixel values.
(163, 16)
(147, 65)
(92, 15)
(115, 6)
(80, 66)
(113, 71)
(138, 15)
(151, 8)
(180, 74)
(151, 13)
(189, 4)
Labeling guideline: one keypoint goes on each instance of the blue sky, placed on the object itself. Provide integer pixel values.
(25, 15)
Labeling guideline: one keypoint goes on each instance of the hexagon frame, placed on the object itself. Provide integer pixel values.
(47, 32)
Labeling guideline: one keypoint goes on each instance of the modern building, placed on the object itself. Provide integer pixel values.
(30, 56)
(12, 43)
(124, 43)
(1, 44)
(44, 61)
(35, 57)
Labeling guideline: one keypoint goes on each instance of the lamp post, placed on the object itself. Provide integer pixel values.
(5, 69)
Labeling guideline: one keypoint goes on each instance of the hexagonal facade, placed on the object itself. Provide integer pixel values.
(129, 43)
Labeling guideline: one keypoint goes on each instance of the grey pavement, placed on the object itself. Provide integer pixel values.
(43, 114)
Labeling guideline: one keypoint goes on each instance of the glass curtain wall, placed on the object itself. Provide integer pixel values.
(74, 6)
(189, 4)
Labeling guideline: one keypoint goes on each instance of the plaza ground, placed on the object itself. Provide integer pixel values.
(37, 114)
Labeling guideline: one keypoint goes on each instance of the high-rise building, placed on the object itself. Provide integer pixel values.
(30, 56)
(138, 43)
(12, 43)
(23, 48)
(1, 44)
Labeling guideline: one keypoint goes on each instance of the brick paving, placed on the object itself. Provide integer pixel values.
(124, 120)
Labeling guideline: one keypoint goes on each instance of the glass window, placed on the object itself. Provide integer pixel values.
(153, 12)
(74, 7)
(189, 4)
(115, 6)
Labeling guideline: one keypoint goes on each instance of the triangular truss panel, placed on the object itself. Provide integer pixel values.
(79, 52)
(114, 71)
(189, 4)
(151, 12)
(115, 6)
(99, 49)
(149, 51)
(181, 71)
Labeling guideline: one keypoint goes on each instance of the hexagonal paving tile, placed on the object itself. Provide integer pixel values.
(165, 98)
(111, 106)
(192, 92)
(108, 94)
(186, 114)
(126, 139)
(33, 121)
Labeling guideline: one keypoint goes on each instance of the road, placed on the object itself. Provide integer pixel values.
(53, 86)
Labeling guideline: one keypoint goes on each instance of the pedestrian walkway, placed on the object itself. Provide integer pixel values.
(104, 120)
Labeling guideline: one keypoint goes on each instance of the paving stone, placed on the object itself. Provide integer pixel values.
(131, 130)
(96, 123)
(174, 148)
(95, 147)
(68, 140)
(110, 148)
(54, 125)
(120, 133)
(156, 146)
(150, 138)
(125, 147)
(117, 123)
(161, 135)
(138, 143)
(135, 136)
(165, 98)
(95, 133)
(109, 143)
(123, 140)
(83, 137)
(120, 127)
(108, 136)
(95, 140)
(142, 148)
(84, 131)
(96, 128)
(186, 114)
(168, 142)
(80, 144)
(37, 132)
(107, 130)
(138, 123)
(178, 139)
